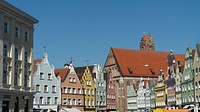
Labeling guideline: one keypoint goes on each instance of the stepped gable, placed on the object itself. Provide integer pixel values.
(81, 70)
(139, 63)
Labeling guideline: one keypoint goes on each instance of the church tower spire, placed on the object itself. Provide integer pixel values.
(147, 43)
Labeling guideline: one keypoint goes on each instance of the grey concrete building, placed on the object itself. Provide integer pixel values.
(16, 59)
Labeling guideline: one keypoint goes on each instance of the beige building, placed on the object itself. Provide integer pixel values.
(16, 59)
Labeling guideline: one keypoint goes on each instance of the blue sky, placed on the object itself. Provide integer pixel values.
(87, 29)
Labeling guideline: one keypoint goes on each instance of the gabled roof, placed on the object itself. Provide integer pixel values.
(142, 63)
(81, 70)
(35, 62)
(62, 72)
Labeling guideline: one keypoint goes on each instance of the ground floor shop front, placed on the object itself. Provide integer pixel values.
(16, 101)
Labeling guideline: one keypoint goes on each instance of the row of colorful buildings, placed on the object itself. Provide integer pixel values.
(129, 81)
(68, 88)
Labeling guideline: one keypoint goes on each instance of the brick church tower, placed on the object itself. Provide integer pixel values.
(147, 43)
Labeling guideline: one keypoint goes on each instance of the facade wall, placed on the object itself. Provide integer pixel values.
(89, 91)
(100, 86)
(72, 92)
(197, 75)
(46, 85)
(16, 58)
(188, 79)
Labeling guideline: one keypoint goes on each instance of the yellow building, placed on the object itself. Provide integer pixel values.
(87, 81)
(160, 93)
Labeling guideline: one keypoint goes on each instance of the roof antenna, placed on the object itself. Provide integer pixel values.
(45, 49)
(188, 41)
(87, 61)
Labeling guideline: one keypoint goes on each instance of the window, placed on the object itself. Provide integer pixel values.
(5, 50)
(41, 75)
(79, 91)
(45, 88)
(37, 88)
(5, 77)
(53, 89)
(74, 90)
(26, 36)
(64, 90)
(88, 91)
(17, 53)
(74, 80)
(56, 100)
(74, 102)
(70, 79)
(48, 100)
(69, 90)
(49, 76)
(69, 101)
(88, 103)
(41, 100)
(196, 71)
(16, 79)
(65, 101)
(92, 92)
(26, 79)
(92, 102)
(5, 27)
(79, 101)
(26, 56)
(16, 32)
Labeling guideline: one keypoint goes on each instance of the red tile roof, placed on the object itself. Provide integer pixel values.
(142, 63)
(62, 72)
(35, 62)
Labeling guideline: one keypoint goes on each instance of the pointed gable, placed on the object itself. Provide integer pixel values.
(62, 72)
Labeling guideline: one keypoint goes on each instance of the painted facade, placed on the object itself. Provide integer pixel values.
(131, 97)
(72, 91)
(100, 87)
(46, 85)
(197, 75)
(89, 90)
(148, 97)
(170, 81)
(129, 65)
(178, 79)
(187, 82)
(152, 89)
(160, 93)
(16, 59)
(141, 97)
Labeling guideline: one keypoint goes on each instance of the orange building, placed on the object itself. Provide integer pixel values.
(72, 91)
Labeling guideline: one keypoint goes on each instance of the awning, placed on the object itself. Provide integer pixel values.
(186, 106)
(70, 110)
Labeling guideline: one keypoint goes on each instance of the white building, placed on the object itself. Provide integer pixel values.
(46, 85)
(141, 97)
(100, 85)
(16, 59)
